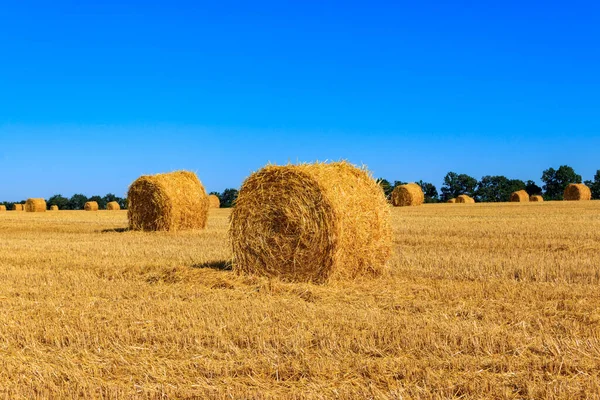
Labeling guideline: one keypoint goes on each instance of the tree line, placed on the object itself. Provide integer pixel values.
(496, 188)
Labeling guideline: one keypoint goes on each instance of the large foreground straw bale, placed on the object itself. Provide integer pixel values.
(214, 201)
(35, 205)
(577, 191)
(536, 198)
(90, 206)
(167, 202)
(463, 198)
(54, 207)
(18, 207)
(113, 206)
(2, 207)
(311, 222)
(410, 194)
(519, 196)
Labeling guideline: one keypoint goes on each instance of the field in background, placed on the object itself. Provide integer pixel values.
(482, 300)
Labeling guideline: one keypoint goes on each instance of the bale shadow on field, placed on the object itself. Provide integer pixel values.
(221, 265)
(115, 230)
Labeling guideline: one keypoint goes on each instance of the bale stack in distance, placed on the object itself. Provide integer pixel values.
(167, 202)
(451, 200)
(577, 191)
(2, 207)
(536, 198)
(311, 223)
(113, 206)
(463, 198)
(410, 194)
(18, 207)
(214, 201)
(54, 207)
(35, 205)
(519, 196)
(90, 206)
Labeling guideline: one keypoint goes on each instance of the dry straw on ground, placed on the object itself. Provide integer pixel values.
(536, 197)
(18, 207)
(577, 191)
(214, 201)
(463, 198)
(311, 222)
(167, 202)
(91, 206)
(2, 208)
(54, 207)
(519, 196)
(113, 205)
(35, 205)
(410, 194)
(451, 201)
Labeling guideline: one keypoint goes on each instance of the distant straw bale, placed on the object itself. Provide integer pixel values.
(453, 200)
(18, 207)
(577, 191)
(53, 207)
(113, 206)
(35, 205)
(214, 201)
(410, 194)
(2, 207)
(90, 206)
(167, 202)
(311, 222)
(463, 198)
(519, 196)
(536, 198)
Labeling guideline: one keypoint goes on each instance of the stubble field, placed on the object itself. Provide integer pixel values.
(480, 301)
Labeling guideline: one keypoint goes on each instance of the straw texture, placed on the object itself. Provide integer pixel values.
(113, 206)
(577, 191)
(410, 194)
(214, 201)
(463, 198)
(519, 196)
(536, 198)
(91, 206)
(35, 205)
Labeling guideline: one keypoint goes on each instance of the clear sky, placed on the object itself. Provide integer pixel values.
(94, 95)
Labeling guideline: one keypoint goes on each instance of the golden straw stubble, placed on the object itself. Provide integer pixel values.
(311, 222)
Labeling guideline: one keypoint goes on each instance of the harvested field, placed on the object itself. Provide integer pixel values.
(486, 301)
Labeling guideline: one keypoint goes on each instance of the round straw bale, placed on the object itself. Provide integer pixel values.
(536, 197)
(410, 194)
(35, 205)
(2, 207)
(451, 201)
(577, 191)
(167, 202)
(90, 206)
(214, 201)
(18, 207)
(113, 206)
(54, 207)
(463, 198)
(311, 222)
(519, 196)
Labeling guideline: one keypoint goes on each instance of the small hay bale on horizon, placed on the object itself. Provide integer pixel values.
(311, 223)
(18, 207)
(91, 206)
(577, 191)
(54, 207)
(452, 200)
(519, 196)
(536, 198)
(113, 206)
(214, 201)
(167, 202)
(35, 205)
(2, 207)
(410, 194)
(463, 198)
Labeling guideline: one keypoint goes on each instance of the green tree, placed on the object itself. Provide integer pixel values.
(228, 197)
(386, 187)
(595, 186)
(77, 201)
(556, 180)
(430, 192)
(58, 200)
(532, 189)
(497, 188)
(457, 184)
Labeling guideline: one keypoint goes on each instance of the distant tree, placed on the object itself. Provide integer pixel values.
(77, 201)
(430, 192)
(532, 189)
(111, 197)
(455, 184)
(497, 188)
(398, 183)
(595, 186)
(122, 202)
(555, 181)
(228, 197)
(386, 187)
(100, 200)
(58, 200)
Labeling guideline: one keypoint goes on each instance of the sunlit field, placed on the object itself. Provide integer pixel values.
(479, 301)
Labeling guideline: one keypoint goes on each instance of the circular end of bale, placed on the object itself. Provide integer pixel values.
(91, 206)
(519, 196)
(536, 198)
(35, 205)
(410, 194)
(577, 192)
(465, 199)
(113, 206)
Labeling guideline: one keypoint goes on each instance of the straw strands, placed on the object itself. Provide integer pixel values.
(214, 201)
(577, 191)
(311, 222)
(519, 196)
(410, 194)
(167, 202)
(35, 205)
(113, 206)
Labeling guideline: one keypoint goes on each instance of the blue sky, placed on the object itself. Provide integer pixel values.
(94, 95)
